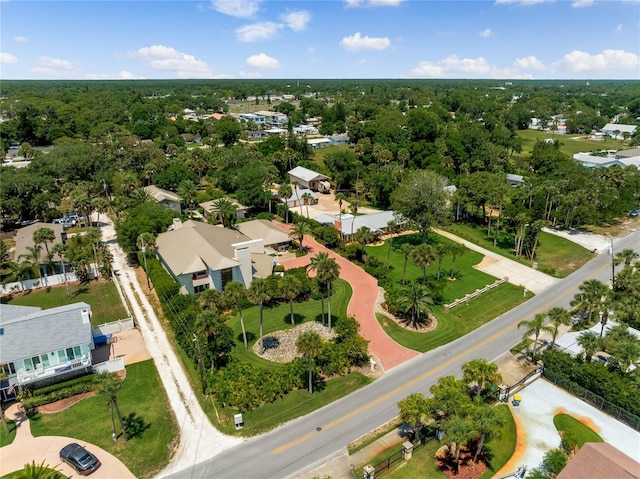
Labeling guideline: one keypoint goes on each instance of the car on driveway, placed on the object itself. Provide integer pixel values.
(634, 213)
(81, 460)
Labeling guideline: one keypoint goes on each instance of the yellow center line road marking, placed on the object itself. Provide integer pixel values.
(386, 396)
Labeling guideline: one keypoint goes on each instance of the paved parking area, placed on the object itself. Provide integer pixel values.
(541, 401)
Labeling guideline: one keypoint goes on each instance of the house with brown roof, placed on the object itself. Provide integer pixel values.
(600, 460)
(165, 198)
(24, 238)
(272, 236)
(200, 256)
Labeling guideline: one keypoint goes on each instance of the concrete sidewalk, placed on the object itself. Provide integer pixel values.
(518, 274)
(25, 448)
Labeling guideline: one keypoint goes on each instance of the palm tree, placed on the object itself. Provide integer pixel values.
(440, 250)
(340, 198)
(415, 299)
(310, 345)
(108, 385)
(392, 227)
(44, 236)
(299, 229)
(364, 236)
(100, 206)
(353, 206)
(457, 249)
(590, 297)
(327, 270)
(414, 409)
(535, 327)
(258, 293)
(234, 291)
(226, 211)
(32, 257)
(590, 343)
(285, 192)
(626, 256)
(307, 197)
(187, 190)
(406, 249)
(626, 352)
(61, 250)
(481, 371)
(422, 256)
(37, 471)
(460, 432)
(212, 299)
(296, 190)
(94, 237)
(558, 316)
(487, 422)
(290, 289)
(141, 196)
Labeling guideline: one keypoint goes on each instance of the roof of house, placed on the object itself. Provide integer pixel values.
(515, 178)
(24, 238)
(600, 460)
(160, 194)
(262, 265)
(269, 113)
(28, 331)
(265, 230)
(209, 206)
(306, 174)
(376, 222)
(339, 137)
(194, 246)
(620, 127)
(630, 153)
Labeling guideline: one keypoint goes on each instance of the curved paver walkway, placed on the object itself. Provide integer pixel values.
(361, 305)
(26, 448)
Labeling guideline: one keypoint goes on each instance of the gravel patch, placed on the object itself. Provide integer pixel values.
(280, 346)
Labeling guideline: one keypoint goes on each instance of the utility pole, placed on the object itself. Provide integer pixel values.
(195, 340)
(143, 248)
(613, 265)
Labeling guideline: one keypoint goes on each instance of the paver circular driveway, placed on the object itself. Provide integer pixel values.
(361, 305)
(25, 448)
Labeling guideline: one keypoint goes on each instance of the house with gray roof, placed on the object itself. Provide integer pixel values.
(377, 223)
(617, 130)
(272, 236)
(43, 346)
(307, 178)
(24, 238)
(200, 256)
(165, 198)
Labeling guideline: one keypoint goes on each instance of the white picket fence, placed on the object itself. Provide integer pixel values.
(111, 366)
(477, 292)
(37, 283)
(113, 327)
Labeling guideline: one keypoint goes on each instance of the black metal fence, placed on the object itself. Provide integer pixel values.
(599, 402)
(399, 455)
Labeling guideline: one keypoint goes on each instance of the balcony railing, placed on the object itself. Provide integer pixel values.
(25, 377)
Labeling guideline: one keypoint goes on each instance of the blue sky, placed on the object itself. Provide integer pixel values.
(518, 39)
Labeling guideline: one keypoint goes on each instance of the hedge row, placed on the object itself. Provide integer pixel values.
(35, 401)
(89, 378)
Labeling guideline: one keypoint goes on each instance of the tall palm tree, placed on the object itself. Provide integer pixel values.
(285, 192)
(591, 296)
(258, 293)
(327, 270)
(590, 343)
(459, 432)
(235, 292)
(481, 371)
(457, 250)
(364, 236)
(535, 327)
(310, 345)
(626, 256)
(100, 206)
(212, 299)
(188, 190)
(44, 236)
(95, 238)
(299, 229)
(307, 197)
(141, 196)
(415, 299)
(353, 206)
(61, 250)
(440, 250)
(32, 257)
(558, 316)
(392, 227)
(487, 422)
(626, 352)
(108, 385)
(290, 289)
(422, 256)
(414, 409)
(406, 249)
(296, 190)
(340, 198)
(226, 211)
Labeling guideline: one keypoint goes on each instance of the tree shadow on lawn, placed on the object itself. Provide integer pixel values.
(251, 337)
(297, 319)
(79, 291)
(135, 425)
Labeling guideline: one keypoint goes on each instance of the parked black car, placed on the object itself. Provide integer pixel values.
(79, 458)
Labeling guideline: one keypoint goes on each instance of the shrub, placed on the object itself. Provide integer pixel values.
(57, 395)
(88, 378)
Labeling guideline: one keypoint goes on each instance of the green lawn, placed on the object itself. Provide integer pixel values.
(102, 296)
(422, 464)
(581, 433)
(5, 438)
(319, 155)
(555, 255)
(570, 144)
(143, 399)
(278, 318)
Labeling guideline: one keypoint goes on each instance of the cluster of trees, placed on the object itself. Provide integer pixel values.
(456, 407)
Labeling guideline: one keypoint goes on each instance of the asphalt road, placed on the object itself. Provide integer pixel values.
(306, 442)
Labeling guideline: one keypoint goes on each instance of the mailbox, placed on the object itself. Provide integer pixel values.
(237, 418)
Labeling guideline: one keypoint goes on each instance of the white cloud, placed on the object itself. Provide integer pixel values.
(578, 61)
(529, 62)
(522, 2)
(455, 67)
(237, 8)
(296, 21)
(262, 60)
(20, 39)
(372, 3)
(160, 57)
(358, 42)
(122, 75)
(486, 33)
(258, 31)
(54, 67)
(7, 58)
(582, 3)
(243, 74)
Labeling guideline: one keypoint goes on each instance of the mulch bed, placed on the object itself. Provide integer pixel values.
(467, 469)
(63, 403)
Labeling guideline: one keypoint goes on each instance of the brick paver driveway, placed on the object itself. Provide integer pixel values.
(361, 305)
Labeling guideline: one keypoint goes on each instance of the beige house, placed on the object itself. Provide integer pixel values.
(166, 198)
(272, 236)
(600, 460)
(201, 256)
(210, 210)
(24, 238)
